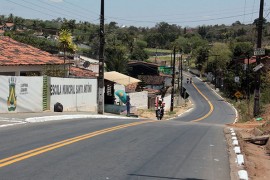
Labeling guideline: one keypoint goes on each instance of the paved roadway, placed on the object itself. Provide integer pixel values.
(174, 149)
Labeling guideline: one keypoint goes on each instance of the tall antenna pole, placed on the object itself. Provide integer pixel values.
(101, 62)
(258, 60)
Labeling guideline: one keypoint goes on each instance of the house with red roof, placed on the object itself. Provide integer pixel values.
(19, 59)
(7, 26)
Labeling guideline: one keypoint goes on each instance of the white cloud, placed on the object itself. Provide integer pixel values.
(57, 1)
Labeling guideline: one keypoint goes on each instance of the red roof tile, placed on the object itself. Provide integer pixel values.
(13, 53)
(80, 72)
(9, 24)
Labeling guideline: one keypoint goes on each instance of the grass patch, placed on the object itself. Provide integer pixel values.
(169, 113)
(245, 110)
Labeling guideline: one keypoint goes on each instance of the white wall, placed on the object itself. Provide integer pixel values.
(27, 94)
(139, 99)
(167, 101)
(74, 94)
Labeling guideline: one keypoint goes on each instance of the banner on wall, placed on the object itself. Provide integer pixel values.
(74, 94)
(20, 94)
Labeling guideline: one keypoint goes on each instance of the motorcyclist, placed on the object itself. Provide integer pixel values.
(160, 107)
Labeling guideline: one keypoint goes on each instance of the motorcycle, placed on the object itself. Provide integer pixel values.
(160, 113)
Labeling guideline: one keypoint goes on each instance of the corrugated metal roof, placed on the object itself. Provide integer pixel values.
(120, 78)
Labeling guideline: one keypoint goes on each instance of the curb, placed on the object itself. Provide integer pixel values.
(239, 160)
(66, 117)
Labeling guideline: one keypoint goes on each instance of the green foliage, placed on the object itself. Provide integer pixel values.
(65, 41)
(202, 57)
(116, 59)
(41, 43)
(223, 57)
(241, 48)
(265, 88)
(54, 71)
(139, 54)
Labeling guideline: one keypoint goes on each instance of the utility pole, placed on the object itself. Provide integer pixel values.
(101, 62)
(173, 77)
(247, 84)
(247, 78)
(156, 56)
(181, 70)
(216, 55)
(171, 59)
(258, 60)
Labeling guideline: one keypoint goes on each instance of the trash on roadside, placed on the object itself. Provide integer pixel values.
(259, 119)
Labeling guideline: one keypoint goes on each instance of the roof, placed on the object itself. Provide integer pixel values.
(152, 80)
(252, 59)
(152, 91)
(13, 53)
(9, 24)
(120, 78)
(80, 72)
(89, 59)
(134, 62)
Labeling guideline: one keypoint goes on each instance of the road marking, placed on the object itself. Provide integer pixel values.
(208, 101)
(43, 149)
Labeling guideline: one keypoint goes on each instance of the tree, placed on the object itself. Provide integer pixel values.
(183, 44)
(224, 54)
(202, 31)
(65, 43)
(202, 58)
(69, 24)
(10, 18)
(116, 59)
(241, 48)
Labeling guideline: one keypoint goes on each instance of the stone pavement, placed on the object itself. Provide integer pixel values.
(10, 119)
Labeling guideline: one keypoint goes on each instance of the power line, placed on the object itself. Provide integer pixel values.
(252, 10)
(202, 20)
(81, 8)
(244, 11)
(45, 8)
(225, 11)
(42, 12)
(72, 12)
(31, 8)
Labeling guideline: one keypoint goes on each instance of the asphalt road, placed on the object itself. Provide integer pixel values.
(100, 149)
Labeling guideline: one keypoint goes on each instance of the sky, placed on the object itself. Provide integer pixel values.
(140, 13)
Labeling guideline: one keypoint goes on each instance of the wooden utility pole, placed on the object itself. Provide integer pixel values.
(181, 74)
(101, 62)
(216, 55)
(173, 77)
(258, 60)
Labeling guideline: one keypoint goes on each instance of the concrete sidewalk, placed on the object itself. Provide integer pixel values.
(9, 119)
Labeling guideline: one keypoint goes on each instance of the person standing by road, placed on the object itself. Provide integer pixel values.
(128, 105)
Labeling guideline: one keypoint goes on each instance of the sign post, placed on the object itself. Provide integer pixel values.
(259, 52)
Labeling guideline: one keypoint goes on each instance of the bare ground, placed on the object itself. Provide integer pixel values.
(257, 161)
(151, 114)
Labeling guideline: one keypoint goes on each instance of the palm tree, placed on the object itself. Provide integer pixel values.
(66, 44)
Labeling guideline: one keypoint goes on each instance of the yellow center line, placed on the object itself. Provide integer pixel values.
(210, 105)
(43, 149)
(206, 115)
